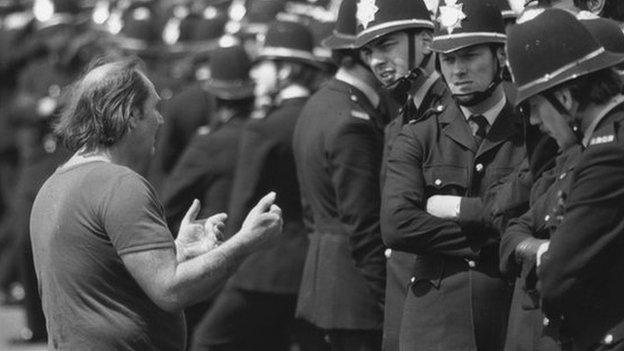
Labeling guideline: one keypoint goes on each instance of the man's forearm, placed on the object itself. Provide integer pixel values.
(198, 278)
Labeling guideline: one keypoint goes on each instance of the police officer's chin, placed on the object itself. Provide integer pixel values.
(467, 99)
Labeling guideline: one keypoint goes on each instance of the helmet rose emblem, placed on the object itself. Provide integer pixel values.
(366, 10)
(451, 15)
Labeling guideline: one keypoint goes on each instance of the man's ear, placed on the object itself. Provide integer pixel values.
(135, 115)
(564, 95)
(284, 72)
(426, 37)
(501, 55)
(595, 6)
(365, 55)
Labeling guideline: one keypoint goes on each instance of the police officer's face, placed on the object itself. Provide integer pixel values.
(471, 69)
(388, 56)
(265, 75)
(549, 120)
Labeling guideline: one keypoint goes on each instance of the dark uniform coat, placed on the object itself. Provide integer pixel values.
(205, 171)
(338, 147)
(526, 329)
(457, 300)
(400, 264)
(266, 163)
(184, 113)
(581, 274)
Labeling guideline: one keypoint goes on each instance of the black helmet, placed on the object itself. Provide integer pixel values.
(539, 62)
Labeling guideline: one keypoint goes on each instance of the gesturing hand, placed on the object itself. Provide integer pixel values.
(262, 225)
(198, 236)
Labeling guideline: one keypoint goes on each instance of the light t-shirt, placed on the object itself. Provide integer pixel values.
(83, 220)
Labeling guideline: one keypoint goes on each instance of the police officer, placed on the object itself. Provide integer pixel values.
(573, 85)
(395, 40)
(338, 145)
(205, 169)
(191, 106)
(438, 170)
(256, 309)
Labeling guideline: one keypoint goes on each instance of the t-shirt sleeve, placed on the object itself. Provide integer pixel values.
(133, 217)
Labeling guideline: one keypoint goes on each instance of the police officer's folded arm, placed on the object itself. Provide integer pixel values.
(356, 158)
(589, 237)
(405, 225)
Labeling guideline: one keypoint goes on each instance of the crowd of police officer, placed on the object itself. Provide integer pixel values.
(450, 172)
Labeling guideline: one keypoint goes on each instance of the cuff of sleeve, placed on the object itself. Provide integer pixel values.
(540, 251)
(470, 211)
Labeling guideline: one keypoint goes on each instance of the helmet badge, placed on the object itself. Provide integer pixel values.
(366, 10)
(451, 15)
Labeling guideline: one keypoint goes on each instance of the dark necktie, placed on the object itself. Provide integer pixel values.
(409, 111)
(478, 124)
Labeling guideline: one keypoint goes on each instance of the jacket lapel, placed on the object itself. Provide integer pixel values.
(454, 125)
(507, 124)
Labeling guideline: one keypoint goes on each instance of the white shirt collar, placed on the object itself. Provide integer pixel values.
(420, 94)
(491, 114)
(592, 127)
(292, 92)
(372, 95)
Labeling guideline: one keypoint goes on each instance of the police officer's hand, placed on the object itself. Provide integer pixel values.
(526, 251)
(198, 236)
(444, 206)
(262, 225)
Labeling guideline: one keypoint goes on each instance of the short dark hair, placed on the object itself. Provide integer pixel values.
(302, 73)
(594, 88)
(97, 109)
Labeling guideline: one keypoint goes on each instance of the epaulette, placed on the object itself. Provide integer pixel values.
(435, 110)
(357, 113)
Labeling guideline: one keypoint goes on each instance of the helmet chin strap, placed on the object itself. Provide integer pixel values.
(574, 123)
(400, 88)
(477, 97)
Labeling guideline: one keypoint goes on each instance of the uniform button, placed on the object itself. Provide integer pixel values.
(546, 322)
(479, 167)
(388, 253)
(562, 175)
(472, 264)
(439, 108)
(413, 280)
(608, 339)
(547, 218)
(437, 182)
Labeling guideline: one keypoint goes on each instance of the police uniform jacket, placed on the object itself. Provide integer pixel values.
(400, 264)
(527, 328)
(457, 297)
(581, 273)
(205, 172)
(266, 163)
(338, 147)
(184, 113)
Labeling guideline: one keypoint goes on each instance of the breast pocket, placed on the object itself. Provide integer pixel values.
(445, 180)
